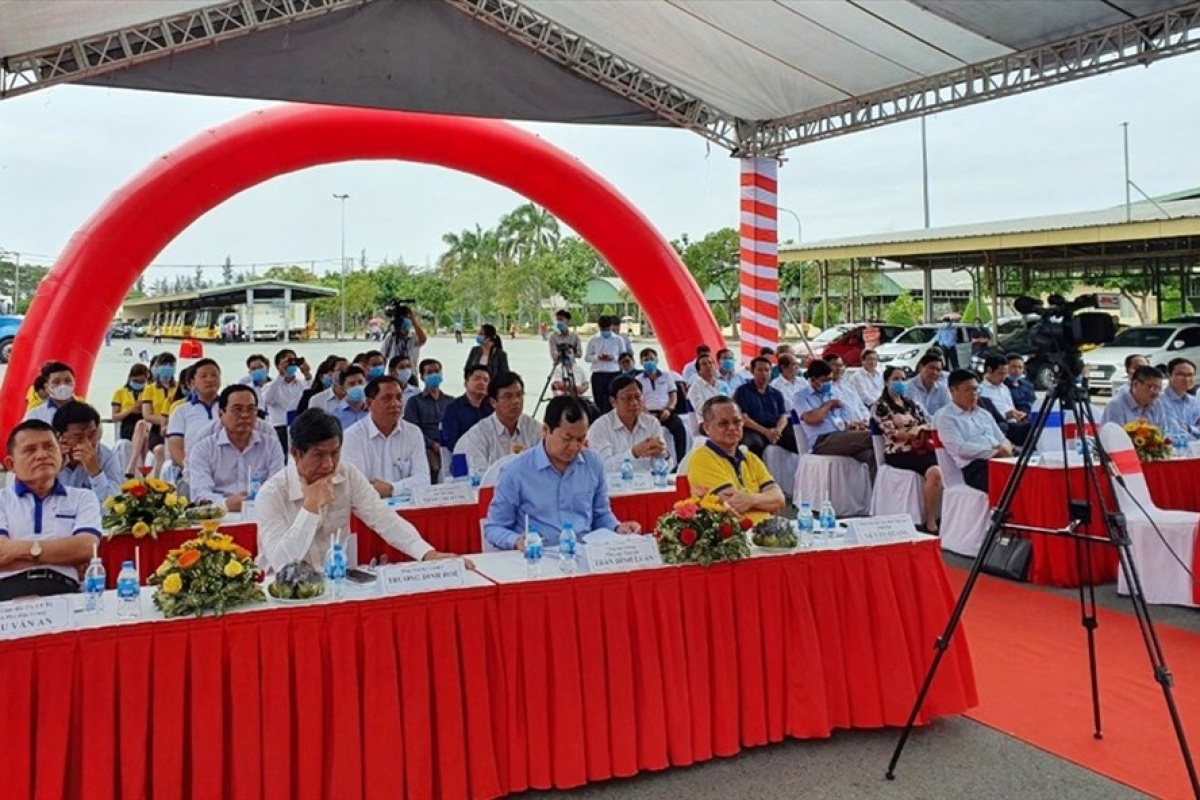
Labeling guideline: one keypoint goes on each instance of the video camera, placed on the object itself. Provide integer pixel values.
(1060, 330)
(399, 309)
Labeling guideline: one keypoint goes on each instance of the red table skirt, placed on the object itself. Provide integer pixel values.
(1041, 501)
(119, 549)
(480, 692)
(457, 529)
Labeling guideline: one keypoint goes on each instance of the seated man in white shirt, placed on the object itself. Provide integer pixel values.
(926, 388)
(995, 389)
(47, 530)
(789, 381)
(192, 419)
(59, 380)
(627, 431)
(281, 397)
(308, 501)
(385, 448)
(853, 405)
(968, 432)
(867, 383)
(87, 464)
(221, 465)
(506, 431)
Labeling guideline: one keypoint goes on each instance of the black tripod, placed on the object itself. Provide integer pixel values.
(1071, 398)
(564, 365)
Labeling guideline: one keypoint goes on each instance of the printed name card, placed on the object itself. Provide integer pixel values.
(641, 482)
(423, 576)
(33, 617)
(622, 554)
(881, 530)
(443, 494)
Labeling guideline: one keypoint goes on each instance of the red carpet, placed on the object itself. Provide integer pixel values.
(1030, 655)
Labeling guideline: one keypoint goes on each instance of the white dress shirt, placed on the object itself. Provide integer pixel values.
(64, 512)
(788, 389)
(613, 442)
(325, 400)
(851, 404)
(1000, 396)
(281, 396)
(488, 440)
(106, 484)
(700, 392)
(597, 345)
(867, 385)
(398, 458)
(217, 469)
(967, 435)
(287, 532)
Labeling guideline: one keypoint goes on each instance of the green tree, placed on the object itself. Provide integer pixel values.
(1137, 289)
(904, 310)
(721, 315)
(227, 271)
(825, 314)
(292, 274)
(713, 261)
(976, 310)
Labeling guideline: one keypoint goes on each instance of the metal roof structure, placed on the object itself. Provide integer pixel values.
(754, 76)
(235, 294)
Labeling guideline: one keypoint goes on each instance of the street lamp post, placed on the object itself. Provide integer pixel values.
(343, 198)
(799, 238)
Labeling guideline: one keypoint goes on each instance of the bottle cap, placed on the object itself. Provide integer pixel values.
(127, 565)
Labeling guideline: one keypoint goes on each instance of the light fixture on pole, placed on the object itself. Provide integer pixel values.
(799, 238)
(343, 198)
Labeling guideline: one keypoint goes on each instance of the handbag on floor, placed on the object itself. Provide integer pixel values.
(1009, 557)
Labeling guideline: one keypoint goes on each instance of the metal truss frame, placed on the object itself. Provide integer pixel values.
(95, 55)
(1134, 42)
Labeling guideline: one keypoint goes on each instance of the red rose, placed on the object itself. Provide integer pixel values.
(687, 537)
(747, 523)
(726, 530)
(138, 491)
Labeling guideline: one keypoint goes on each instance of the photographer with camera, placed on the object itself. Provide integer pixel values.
(407, 336)
(564, 337)
(282, 396)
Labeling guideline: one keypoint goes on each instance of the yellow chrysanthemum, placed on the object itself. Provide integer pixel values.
(181, 500)
(140, 530)
(129, 484)
(712, 503)
(172, 583)
(119, 508)
(108, 502)
(687, 501)
(170, 500)
(158, 485)
(233, 568)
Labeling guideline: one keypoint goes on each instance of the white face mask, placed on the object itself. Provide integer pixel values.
(63, 392)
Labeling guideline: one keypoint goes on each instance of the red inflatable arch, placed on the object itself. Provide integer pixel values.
(78, 299)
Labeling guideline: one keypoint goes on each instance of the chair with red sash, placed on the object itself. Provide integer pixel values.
(964, 509)
(1162, 557)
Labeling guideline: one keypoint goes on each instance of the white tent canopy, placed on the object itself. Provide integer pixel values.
(756, 76)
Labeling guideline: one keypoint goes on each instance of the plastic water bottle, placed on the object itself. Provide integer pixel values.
(659, 469)
(533, 553)
(475, 479)
(627, 471)
(93, 586)
(568, 547)
(252, 488)
(828, 518)
(804, 521)
(129, 592)
(335, 569)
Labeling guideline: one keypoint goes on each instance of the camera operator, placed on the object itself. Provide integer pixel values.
(407, 336)
(563, 336)
(282, 396)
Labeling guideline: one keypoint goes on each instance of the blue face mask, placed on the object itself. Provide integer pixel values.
(479, 338)
(899, 387)
(650, 366)
(826, 389)
(406, 325)
(164, 373)
(562, 327)
(403, 375)
(433, 380)
(605, 334)
(258, 375)
(137, 386)
(356, 394)
(374, 372)
(327, 381)
(728, 364)
(291, 370)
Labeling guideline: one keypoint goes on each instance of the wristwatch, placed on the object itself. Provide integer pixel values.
(35, 550)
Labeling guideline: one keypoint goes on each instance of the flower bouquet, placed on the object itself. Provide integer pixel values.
(1148, 441)
(145, 507)
(704, 530)
(208, 574)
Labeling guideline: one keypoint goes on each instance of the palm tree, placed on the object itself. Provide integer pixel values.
(527, 231)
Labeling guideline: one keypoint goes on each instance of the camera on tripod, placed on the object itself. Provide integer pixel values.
(566, 354)
(1061, 330)
(399, 309)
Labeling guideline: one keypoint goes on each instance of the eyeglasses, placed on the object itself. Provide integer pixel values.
(242, 411)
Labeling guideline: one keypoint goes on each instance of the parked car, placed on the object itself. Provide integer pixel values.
(122, 330)
(140, 327)
(908, 347)
(850, 344)
(9, 324)
(1038, 368)
(1158, 343)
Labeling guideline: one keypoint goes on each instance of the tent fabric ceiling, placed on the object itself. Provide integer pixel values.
(754, 60)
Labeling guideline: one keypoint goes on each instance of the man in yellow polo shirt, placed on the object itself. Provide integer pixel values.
(733, 473)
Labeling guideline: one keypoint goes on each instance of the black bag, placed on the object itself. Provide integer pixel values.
(1009, 557)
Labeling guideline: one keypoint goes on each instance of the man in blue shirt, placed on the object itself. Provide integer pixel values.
(1182, 409)
(1023, 393)
(826, 426)
(764, 412)
(926, 387)
(87, 464)
(556, 482)
(969, 433)
(465, 411)
(947, 339)
(354, 406)
(1142, 401)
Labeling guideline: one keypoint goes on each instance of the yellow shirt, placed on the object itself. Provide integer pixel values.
(32, 400)
(715, 471)
(160, 399)
(125, 399)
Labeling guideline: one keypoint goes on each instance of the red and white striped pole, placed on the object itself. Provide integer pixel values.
(759, 256)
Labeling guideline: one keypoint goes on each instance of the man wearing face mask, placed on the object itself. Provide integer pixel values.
(406, 338)
(87, 464)
(258, 374)
(400, 368)
(564, 336)
(354, 406)
(426, 411)
(157, 399)
(282, 396)
(60, 390)
(603, 351)
(827, 427)
(727, 371)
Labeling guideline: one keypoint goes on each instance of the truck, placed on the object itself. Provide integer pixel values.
(266, 320)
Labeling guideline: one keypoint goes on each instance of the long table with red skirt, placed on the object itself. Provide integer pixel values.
(116, 550)
(480, 692)
(456, 528)
(1041, 502)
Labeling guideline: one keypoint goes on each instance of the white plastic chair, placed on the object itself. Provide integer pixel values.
(1164, 579)
(964, 509)
(896, 491)
(845, 481)
(489, 480)
(492, 476)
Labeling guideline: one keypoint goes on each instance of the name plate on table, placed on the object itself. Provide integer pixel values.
(641, 482)
(881, 530)
(623, 554)
(443, 494)
(32, 617)
(423, 576)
